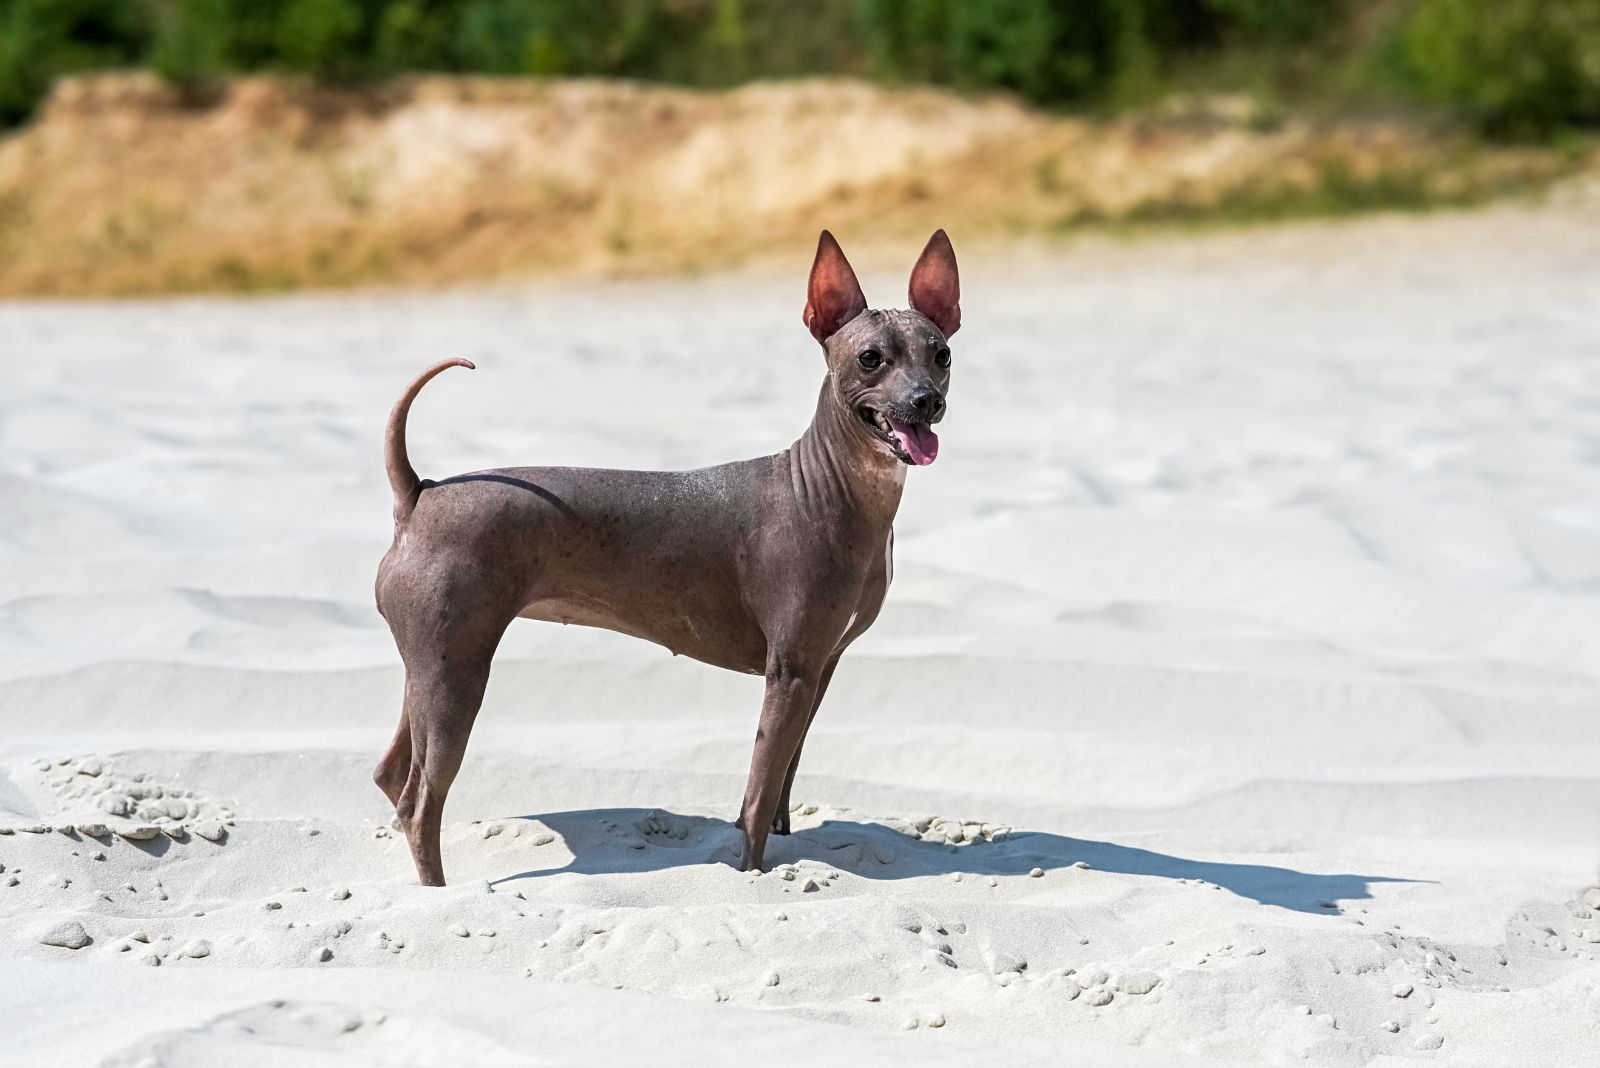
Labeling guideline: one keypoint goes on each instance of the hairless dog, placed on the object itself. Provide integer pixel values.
(770, 566)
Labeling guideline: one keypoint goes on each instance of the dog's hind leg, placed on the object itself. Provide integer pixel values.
(780, 822)
(443, 694)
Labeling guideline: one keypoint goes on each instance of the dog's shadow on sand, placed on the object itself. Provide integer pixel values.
(609, 841)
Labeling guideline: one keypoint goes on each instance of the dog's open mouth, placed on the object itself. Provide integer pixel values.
(913, 443)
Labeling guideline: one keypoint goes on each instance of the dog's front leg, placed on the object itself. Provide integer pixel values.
(780, 818)
(791, 695)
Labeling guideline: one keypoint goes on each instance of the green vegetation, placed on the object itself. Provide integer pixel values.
(1512, 68)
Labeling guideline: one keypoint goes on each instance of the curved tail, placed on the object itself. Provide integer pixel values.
(402, 477)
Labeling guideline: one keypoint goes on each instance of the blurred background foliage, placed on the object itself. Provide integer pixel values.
(1511, 68)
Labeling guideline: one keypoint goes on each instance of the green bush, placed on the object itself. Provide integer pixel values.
(1518, 68)
(191, 41)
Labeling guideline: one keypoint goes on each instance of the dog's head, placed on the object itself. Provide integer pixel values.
(889, 369)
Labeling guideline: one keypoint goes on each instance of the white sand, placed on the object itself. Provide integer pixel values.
(1254, 602)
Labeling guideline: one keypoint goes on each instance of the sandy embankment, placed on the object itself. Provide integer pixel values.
(1235, 696)
(119, 187)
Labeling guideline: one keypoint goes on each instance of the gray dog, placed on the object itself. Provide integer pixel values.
(770, 566)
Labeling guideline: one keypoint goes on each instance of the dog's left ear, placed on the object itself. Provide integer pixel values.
(935, 286)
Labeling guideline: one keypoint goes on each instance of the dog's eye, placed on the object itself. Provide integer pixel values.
(942, 357)
(870, 360)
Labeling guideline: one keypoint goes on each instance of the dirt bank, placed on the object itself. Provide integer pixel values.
(121, 186)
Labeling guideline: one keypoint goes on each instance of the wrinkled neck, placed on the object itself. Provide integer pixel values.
(836, 464)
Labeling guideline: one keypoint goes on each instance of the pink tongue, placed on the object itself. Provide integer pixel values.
(918, 439)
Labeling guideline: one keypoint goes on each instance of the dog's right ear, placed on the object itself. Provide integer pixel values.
(833, 296)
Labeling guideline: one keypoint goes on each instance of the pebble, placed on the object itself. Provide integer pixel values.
(94, 830)
(1098, 996)
(870, 997)
(543, 838)
(492, 829)
(809, 886)
(199, 947)
(340, 894)
(272, 906)
(67, 935)
(211, 831)
(151, 959)
(910, 1024)
(324, 954)
(936, 1020)
(1037, 873)
(1591, 897)
(1389, 1026)
(771, 979)
(1302, 1010)
(139, 832)
(139, 936)
(1428, 1042)
(781, 916)
(1402, 990)
(458, 930)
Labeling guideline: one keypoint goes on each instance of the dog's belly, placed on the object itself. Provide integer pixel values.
(734, 644)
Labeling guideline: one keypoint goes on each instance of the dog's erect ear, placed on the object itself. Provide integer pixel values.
(935, 286)
(833, 296)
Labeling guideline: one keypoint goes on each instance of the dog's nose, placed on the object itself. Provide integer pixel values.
(929, 403)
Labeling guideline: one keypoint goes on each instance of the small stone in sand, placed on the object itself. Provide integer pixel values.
(1402, 990)
(1591, 897)
(1428, 1042)
(151, 959)
(139, 936)
(1037, 873)
(139, 832)
(955, 877)
(272, 906)
(324, 954)
(459, 930)
(94, 830)
(543, 838)
(339, 895)
(936, 1020)
(67, 935)
(771, 979)
(199, 947)
(809, 886)
(870, 997)
(211, 831)
(781, 916)
(492, 829)
(311, 832)
(910, 1024)
(1097, 997)
(1389, 1026)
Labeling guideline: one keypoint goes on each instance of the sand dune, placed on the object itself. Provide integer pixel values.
(1234, 700)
